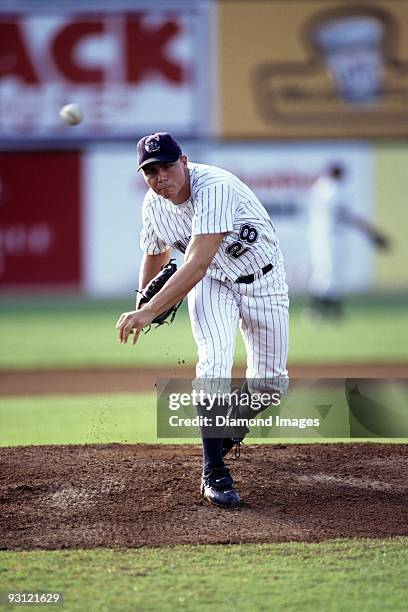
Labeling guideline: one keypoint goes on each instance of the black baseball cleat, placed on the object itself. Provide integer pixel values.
(218, 488)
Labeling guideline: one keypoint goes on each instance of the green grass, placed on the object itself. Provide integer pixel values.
(373, 333)
(62, 332)
(119, 418)
(85, 419)
(362, 575)
(81, 333)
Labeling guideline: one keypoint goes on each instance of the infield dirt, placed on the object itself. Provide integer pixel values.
(136, 380)
(55, 497)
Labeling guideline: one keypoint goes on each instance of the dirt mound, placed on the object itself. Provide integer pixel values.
(136, 495)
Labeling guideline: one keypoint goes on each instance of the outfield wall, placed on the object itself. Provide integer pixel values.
(391, 187)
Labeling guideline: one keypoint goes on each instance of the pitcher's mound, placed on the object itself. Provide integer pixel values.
(148, 495)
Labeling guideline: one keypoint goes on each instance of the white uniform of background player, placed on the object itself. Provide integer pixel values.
(233, 275)
(329, 216)
(324, 232)
(220, 202)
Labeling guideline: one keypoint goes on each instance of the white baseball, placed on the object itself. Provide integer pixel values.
(71, 114)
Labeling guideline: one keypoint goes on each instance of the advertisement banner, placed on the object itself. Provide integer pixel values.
(40, 221)
(129, 71)
(321, 68)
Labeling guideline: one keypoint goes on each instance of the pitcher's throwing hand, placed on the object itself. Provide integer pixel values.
(132, 323)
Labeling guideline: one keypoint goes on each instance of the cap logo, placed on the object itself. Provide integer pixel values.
(152, 144)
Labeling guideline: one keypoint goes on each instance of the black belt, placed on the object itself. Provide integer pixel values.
(251, 277)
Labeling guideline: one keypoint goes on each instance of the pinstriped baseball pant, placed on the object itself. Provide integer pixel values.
(217, 308)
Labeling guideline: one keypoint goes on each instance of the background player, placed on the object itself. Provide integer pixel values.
(233, 274)
(328, 217)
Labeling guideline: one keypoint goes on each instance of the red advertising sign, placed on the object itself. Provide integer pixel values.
(40, 227)
(129, 72)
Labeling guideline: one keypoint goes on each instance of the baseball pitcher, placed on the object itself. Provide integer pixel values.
(232, 273)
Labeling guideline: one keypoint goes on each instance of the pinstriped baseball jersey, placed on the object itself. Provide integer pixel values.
(219, 202)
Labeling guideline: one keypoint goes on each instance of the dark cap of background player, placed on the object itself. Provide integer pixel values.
(158, 147)
(336, 170)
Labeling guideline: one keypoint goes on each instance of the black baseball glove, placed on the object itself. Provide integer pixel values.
(152, 288)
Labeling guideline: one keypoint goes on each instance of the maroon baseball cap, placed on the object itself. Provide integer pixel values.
(158, 147)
